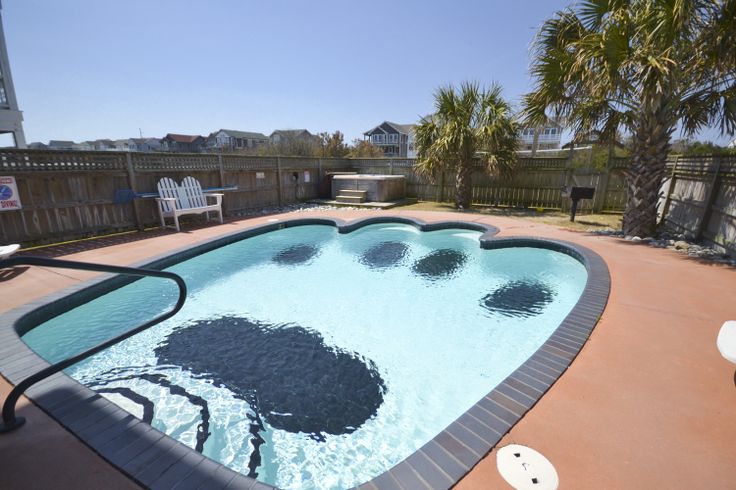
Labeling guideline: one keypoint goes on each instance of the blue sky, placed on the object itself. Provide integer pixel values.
(87, 69)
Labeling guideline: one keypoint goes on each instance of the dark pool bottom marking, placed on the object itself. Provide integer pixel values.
(203, 431)
(519, 299)
(440, 263)
(255, 428)
(296, 254)
(287, 373)
(384, 255)
(134, 397)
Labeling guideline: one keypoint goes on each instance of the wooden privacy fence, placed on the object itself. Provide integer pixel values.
(699, 199)
(538, 183)
(67, 195)
(72, 194)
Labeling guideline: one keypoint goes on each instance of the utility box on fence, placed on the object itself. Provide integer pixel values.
(576, 194)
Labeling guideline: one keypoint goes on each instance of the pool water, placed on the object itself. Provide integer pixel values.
(312, 359)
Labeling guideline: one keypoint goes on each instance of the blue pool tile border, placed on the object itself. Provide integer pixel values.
(155, 460)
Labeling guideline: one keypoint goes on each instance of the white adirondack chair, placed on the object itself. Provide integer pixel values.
(7, 250)
(177, 200)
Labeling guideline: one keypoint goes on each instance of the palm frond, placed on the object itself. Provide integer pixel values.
(469, 122)
(613, 61)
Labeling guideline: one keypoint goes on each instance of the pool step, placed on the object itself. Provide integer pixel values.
(352, 196)
(353, 192)
(350, 199)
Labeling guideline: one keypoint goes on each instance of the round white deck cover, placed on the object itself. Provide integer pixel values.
(524, 468)
(727, 341)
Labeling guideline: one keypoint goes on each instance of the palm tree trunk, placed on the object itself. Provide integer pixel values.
(651, 144)
(463, 185)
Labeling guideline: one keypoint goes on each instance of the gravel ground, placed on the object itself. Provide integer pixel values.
(678, 242)
(302, 208)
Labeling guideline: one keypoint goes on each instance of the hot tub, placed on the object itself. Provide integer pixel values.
(379, 188)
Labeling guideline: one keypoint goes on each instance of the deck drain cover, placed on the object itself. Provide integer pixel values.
(524, 468)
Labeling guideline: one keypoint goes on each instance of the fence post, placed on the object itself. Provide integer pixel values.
(134, 188)
(567, 176)
(391, 167)
(710, 198)
(222, 170)
(670, 190)
(278, 178)
(442, 186)
(222, 180)
(605, 176)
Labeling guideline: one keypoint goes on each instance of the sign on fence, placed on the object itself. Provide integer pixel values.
(9, 198)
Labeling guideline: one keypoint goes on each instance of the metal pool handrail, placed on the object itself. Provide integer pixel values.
(9, 420)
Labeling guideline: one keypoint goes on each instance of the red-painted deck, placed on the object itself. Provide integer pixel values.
(648, 403)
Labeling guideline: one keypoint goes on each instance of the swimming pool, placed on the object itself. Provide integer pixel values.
(311, 358)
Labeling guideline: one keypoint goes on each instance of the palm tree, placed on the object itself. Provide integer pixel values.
(468, 125)
(645, 66)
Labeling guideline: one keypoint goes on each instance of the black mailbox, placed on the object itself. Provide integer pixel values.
(576, 194)
(582, 193)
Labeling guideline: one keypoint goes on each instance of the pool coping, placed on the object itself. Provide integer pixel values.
(154, 460)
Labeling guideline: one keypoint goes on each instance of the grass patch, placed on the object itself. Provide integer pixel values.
(583, 222)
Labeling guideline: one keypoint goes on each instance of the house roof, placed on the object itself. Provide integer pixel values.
(243, 134)
(400, 128)
(291, 133)
(183, 138)
(60, 143)
(403, 128)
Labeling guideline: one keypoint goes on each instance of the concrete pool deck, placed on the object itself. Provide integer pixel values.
(648, 402)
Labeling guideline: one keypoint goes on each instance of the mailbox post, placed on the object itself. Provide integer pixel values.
(576, 194)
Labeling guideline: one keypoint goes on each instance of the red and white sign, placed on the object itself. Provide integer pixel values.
(9, 198)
